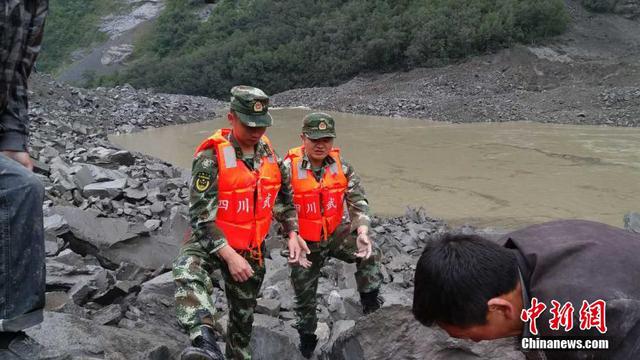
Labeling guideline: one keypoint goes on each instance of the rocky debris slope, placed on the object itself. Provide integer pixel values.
(114, 221)
(589, 75)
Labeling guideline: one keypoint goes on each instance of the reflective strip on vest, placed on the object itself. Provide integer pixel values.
(302, 173)
(334, 168)
(230, 161)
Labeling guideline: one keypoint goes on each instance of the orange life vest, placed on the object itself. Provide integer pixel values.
(319, 204)
(245, 196)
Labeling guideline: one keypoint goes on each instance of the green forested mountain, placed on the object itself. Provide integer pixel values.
(284, 44)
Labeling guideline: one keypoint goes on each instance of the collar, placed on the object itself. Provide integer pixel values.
(306, 163)
(261, 148)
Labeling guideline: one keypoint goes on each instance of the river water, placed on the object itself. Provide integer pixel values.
(489, 174)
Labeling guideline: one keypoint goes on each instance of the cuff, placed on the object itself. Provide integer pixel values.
(219, 245)
(361, 220)
(13, 141)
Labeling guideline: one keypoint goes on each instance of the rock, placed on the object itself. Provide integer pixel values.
(269, 307)
(322, 333)
(81, 291)
(49, 152)
(127, 323)
(334, 302)
(632, 222)
(135, 194)
(340, 327)
(62, 276)
(130, 272)
(152, 225)
(89, 174)
(112, 241)
(114, 293)
(149, 252)
(144, 210)
(79, 337)
(405, 338)
(62, 174)
(160, 286)
(159, 353)
(56, 300)
(157, 207)
(272, 339)
(108, 189)
(51, 248)
(109, 315)
(400, 263)
(99, 154)
(178, 222)
(40, 167)
(55, 224)
(277, 269)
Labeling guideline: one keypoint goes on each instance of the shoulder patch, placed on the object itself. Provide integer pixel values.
(202, 181)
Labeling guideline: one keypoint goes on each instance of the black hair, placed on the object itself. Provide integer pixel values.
(455, 277)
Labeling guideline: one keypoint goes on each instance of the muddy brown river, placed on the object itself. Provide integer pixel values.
(493, 174)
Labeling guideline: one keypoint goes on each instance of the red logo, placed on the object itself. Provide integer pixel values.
(593, 316)
(561, 316)
(532, 314)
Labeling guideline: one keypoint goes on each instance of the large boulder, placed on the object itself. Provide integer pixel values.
(405, 338)
(107, 189)
(85, 339)
(89, 174)
(273, 339)
(113, 241)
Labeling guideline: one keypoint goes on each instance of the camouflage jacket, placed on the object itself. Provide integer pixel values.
(21, 30)
(357, 202)
(203, 203)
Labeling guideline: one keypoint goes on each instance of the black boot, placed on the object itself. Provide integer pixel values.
(308, 344)
(370, 301)
(205, 347)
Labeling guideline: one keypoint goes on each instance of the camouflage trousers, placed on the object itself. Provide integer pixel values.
(341, 245)
(195, 307)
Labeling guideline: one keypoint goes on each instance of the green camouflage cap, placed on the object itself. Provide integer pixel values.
(251, 105)
(318, 125)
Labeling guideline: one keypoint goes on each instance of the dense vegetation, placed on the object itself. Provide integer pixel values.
(278, 45)
(72, 25)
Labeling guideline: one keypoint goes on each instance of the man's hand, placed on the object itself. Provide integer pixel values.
(239, 267)
(363, 243)
(20, 156)
(298, 250)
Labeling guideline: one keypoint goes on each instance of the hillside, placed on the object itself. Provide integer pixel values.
(589, 75)
(185, 47)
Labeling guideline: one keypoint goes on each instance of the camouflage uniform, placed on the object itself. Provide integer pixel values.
(340, 245)
(21, 30)
(198, 259)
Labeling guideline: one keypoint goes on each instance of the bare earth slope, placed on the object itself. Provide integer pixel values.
(589, 75)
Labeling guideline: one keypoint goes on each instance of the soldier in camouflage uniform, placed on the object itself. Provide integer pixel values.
(238, 181)
(322, 182)
(22, 258)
